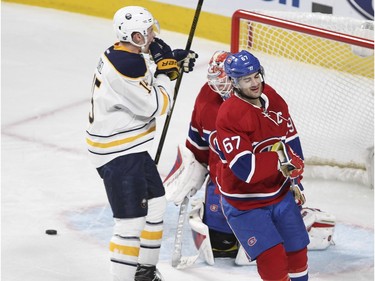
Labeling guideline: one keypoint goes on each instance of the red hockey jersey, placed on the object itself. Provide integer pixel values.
(202, 125)
(248, 174)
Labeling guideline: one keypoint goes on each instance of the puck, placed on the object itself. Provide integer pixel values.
(51, 231)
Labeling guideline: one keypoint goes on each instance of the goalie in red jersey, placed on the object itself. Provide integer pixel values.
(261, 161)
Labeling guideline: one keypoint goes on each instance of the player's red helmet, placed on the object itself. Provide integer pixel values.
(217, 78)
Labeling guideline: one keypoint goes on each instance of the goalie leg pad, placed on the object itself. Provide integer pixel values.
(186, 177)
(242, 258)
(201, 234)
(211, 243)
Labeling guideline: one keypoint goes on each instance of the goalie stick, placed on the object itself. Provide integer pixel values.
(178, 82)
(179, 261)
(177, 249)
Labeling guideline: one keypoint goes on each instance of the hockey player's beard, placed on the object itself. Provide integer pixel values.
(254, 99)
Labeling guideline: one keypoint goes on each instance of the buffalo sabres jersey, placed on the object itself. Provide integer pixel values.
(126, 98)
(248, 174)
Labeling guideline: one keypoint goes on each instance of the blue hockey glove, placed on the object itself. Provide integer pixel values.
(163, 57)
(185, 59)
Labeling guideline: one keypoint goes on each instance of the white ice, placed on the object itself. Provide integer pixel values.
(48, 58)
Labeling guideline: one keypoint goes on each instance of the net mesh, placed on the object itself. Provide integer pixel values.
(328, 86)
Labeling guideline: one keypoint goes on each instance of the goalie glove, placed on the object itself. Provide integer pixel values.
(163, 57)
(290, 164)
(320, 226)
(185, 59)
(186, 177)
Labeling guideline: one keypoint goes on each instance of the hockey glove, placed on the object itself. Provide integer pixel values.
(297, 190)
(185, 59)
(290, 164)
(163, 57)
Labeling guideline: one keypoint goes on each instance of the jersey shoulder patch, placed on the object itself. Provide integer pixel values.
(128, 64)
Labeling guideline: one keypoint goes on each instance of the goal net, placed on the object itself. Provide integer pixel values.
(323, 66)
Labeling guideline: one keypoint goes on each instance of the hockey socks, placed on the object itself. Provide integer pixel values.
(273, 264)
(298, 269)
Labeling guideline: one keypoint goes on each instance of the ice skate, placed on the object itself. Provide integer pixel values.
(147, 273)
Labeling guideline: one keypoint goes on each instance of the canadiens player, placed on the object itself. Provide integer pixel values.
(261, 161)
(129, 92)
(213, 236)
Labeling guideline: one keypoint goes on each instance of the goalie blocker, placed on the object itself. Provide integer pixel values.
(320, 226)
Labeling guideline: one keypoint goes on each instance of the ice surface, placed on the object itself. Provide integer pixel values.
(48, 58)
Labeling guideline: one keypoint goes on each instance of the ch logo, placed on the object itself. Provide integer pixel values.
(251, 241)
(214, 208)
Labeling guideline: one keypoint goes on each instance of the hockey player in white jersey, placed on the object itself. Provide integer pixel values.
(128, 92)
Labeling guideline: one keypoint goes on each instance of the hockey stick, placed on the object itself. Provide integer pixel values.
(178, 82)
(176, 255)
(179, 261)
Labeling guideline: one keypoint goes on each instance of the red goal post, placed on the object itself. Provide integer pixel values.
(290, 25)
(323, 66)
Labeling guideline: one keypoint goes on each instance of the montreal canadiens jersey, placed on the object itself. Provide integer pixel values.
(126, 99)
(202, 126)
(248, 174)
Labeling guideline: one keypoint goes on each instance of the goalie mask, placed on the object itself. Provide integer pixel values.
(132, 19)
(242, 64)
(217, 78)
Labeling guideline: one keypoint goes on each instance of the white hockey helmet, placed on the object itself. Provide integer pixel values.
(217, 78)
(132, 19)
